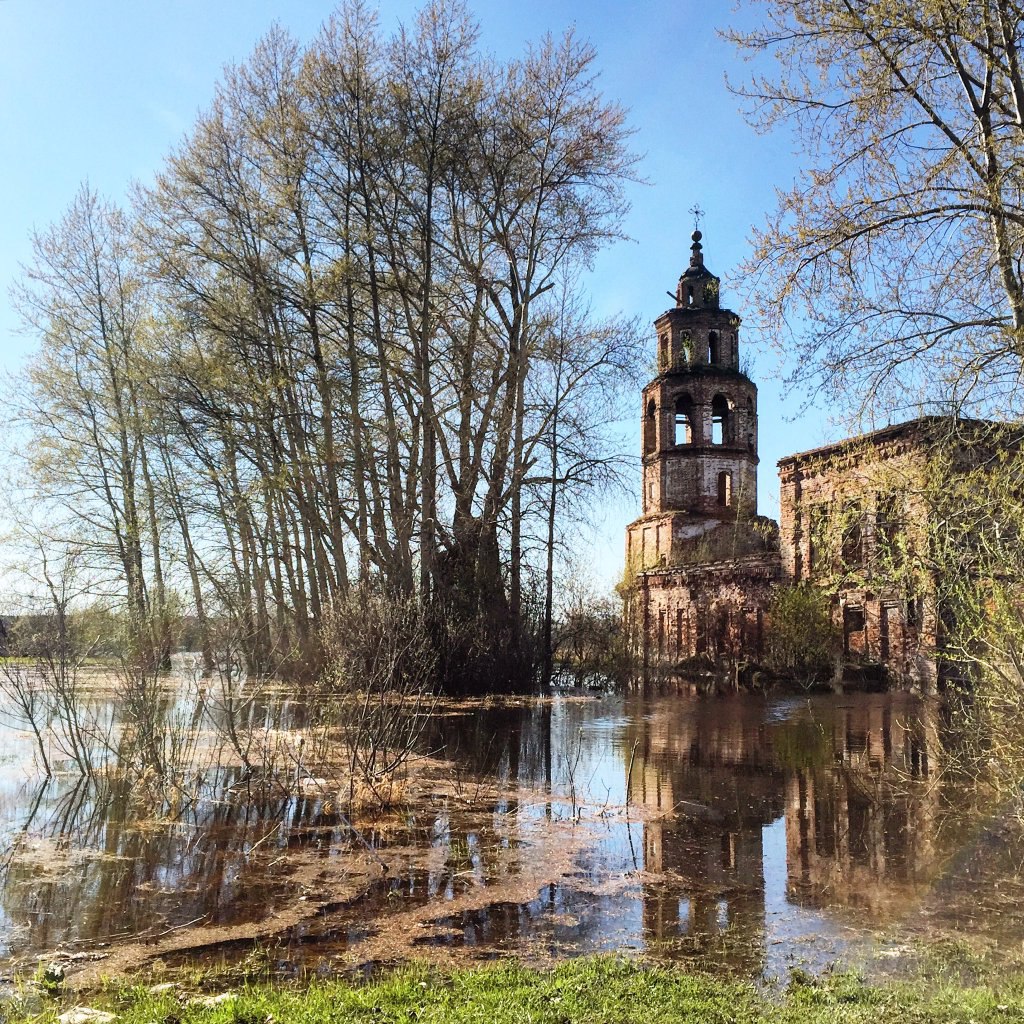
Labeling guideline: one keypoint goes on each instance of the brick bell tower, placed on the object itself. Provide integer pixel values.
(699, 427)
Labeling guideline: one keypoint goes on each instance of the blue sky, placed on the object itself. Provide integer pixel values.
(103, 91)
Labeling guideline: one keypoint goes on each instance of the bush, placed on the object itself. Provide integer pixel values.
(802, 640)
(379, 669)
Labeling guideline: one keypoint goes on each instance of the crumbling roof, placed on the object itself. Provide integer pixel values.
(923, 428)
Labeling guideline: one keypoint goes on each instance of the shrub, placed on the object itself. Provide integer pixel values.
(802, 640)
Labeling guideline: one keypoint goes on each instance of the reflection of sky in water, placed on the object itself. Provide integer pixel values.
(760, 834)
(795, 937)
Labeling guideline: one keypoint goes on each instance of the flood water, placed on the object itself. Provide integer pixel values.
(749, 834)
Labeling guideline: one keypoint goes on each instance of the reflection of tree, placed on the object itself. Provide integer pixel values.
(510, 744)
(854, 785)
(105, 858)
(97, 862)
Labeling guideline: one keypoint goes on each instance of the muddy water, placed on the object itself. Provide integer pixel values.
(746, 833)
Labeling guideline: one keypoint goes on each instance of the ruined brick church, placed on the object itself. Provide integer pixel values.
(704, 565)
(705, 562)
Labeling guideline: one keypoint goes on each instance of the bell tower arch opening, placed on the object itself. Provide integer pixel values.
(721, 420)
(684, 420)
(650, 428)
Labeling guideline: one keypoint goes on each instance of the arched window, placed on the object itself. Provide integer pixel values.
(689, 295)
(725, 489)
(650, 425)
(684, 348)
(684, 420)
(663, 352)
(721, 425)
(714, 351)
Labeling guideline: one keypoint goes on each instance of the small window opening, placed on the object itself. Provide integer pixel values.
(721, 431)
(714, 350)
(852, 548)
(684, 420)
(853, 618)
(684, 348)
(889, 526)
(723, 630)
(853, 622)
(817, 550)
(725, 489)
(663, 352)
(689, 295)
(886, 619)
(650, 425)
(701, 631)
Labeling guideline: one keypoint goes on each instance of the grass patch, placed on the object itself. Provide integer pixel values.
(591, 991)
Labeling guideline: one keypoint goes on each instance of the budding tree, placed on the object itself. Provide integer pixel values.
(892, 267)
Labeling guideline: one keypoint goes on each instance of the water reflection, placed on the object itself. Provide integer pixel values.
(850, 781)
(746, 832)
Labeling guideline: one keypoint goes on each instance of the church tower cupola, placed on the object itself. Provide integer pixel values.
(698, 287)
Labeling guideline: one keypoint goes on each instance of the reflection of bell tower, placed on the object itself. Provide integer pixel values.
(699, 423)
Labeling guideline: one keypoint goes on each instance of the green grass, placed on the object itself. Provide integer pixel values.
(592, 991)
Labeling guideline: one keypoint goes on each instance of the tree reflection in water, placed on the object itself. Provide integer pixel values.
(735, 830)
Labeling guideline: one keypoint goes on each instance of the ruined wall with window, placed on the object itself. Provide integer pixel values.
(712, 610)
(853, 520)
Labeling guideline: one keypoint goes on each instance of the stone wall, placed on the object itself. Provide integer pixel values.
(848, 515)
(715, 609)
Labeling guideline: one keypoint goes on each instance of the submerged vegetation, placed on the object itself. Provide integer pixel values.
(802, 640)
(191, 734)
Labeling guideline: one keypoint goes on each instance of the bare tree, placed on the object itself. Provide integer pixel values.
(332, 361)
(85, 297)
(892, 268)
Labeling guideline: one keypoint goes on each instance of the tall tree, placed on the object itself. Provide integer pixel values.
(893, 267)
(348, 369)
(85, 297)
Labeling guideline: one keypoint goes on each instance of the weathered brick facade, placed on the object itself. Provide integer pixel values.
(715, 609)
(705, 561)
(707, 566)
(849, 515)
